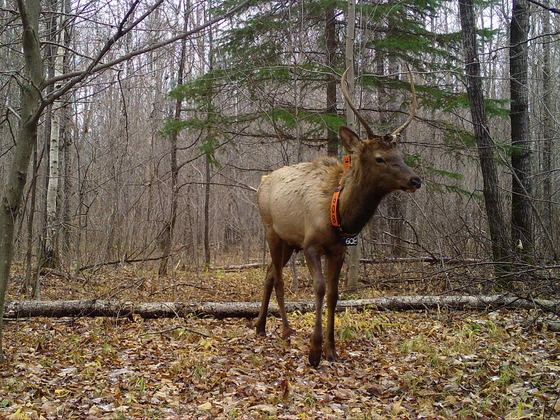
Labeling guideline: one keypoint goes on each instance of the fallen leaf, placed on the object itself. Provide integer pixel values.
(205, 407)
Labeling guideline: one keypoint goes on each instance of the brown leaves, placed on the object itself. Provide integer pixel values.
(400, 365)
(392, 365)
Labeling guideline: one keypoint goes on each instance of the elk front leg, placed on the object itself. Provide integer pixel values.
(334, 266)
(314, 263)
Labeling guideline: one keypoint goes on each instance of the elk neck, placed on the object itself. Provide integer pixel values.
(359, 198)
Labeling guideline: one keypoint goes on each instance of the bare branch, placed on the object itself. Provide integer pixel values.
(94, 67)
(550, 9)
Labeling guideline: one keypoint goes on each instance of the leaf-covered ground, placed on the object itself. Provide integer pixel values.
(392, 365)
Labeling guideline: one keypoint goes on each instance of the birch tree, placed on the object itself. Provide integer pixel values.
(353, 251)
(51, 252)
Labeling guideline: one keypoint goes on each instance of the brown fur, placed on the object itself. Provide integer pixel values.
(294, 204)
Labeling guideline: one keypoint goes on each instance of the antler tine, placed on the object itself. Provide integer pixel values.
(413, 105)
(346, 95)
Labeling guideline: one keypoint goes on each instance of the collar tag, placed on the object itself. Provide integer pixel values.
(348, 240)
(346, 162)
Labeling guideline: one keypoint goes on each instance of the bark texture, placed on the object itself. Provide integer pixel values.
(12, 192)
(491, 185)
(330, 36)
(521, 208)
(353, 251)
(106, 308)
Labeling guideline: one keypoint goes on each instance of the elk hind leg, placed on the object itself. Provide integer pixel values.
(268, 286)
(313, 259)
(333, 274)
(280, 254)
(279, 264)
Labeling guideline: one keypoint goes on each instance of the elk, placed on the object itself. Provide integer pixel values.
(295, 207)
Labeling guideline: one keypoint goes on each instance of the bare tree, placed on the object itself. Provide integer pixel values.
(330, 37)
(353, 251)
(521, 205)
(31, 81)
(168, 231)
(51, 256)
(485, 143)
(549, 132)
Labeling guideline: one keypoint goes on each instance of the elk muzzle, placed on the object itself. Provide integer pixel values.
(413, 184)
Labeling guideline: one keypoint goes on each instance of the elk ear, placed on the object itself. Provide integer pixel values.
(349, 139)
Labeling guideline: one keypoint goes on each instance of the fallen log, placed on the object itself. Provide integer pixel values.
(230, 268)
(553, 325)
(389, 260)
(429, 259)
(106, 308)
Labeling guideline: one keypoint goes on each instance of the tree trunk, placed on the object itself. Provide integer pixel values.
(353, 251)
(521, 207)
(26, 140)
(167, 244)
(207, 256)
(27, 286)
(394, 204)
(209, 156)
(66, 138)
(549, 132)
(51, 257)
(330, 36)
(485, 144)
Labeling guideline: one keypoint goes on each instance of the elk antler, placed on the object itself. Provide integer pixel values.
(412, 106)
(346, 95)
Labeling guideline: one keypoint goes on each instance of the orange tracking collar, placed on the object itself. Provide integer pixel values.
(335, 216)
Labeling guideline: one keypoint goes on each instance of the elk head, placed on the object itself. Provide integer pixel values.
(378, 155)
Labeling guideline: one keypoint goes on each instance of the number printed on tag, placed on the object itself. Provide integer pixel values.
(350, 241)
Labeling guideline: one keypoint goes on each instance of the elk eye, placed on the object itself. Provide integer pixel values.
(379, 159)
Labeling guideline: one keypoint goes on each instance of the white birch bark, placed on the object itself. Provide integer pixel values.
(353, 251)
(51, 254)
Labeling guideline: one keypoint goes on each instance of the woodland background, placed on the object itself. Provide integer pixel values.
(157, 157)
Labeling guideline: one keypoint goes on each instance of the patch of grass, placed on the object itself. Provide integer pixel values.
(508, 374)
(310, 400)
(257, 360)
(351, 325)
(415, 345)
(199, 372)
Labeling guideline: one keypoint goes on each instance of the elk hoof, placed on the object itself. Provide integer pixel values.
(261, 330)
(331, 356)
(287, 332)
(315, 358)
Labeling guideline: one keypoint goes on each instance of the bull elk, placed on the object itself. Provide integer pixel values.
(297, 207)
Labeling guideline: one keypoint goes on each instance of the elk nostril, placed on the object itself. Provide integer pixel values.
(416, 182)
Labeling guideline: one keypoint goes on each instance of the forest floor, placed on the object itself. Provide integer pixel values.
(392, 365)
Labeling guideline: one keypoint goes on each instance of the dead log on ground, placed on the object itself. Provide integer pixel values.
(106, 308)
(406, 260)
